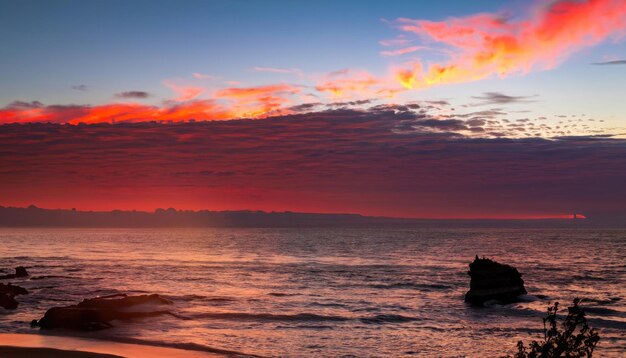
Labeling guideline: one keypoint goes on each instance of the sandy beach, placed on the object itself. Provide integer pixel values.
(43, 346)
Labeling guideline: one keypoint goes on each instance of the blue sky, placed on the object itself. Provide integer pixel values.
(117, 45)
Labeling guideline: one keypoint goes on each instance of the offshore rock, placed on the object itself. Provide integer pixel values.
(8, 293)
(490, 280)
(20, 271)
(97, 313)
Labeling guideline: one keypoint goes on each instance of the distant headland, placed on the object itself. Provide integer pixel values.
(33, 216)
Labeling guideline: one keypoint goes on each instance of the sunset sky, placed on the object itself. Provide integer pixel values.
(447, 109)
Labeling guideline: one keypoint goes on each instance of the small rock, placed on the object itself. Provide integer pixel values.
(20, 271)
(8, 293)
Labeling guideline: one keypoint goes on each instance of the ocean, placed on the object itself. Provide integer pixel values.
(322, 292)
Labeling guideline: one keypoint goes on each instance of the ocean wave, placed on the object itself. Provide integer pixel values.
(321, 304)
(42, 287)
(587, 278)
(184, 297)
(189, 298)
(412, 285)
(306, 326)
(607, 323)
(605, 311)
(268, 317)
(531, 298)
(388, 318)
(43, 277)
(280, 294)
(305, 317)
(600, 302)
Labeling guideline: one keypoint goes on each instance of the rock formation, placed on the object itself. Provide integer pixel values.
(20, 271)
(8, 293)
(97, 313)
(490, 280)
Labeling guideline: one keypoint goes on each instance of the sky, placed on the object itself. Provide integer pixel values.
(400, 108)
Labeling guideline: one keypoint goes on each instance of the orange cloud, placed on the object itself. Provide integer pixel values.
(253, 92)
(257, 101)
(350, 84)
(487, 44)
(184, 93)
(409, 77)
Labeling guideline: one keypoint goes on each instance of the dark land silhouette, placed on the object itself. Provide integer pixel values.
(33, 216)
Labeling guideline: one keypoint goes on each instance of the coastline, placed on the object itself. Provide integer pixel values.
(39, 345)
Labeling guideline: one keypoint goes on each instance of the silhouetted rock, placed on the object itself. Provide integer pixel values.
(97, 313)
(20, 271)
(493, 281)
(8, 293)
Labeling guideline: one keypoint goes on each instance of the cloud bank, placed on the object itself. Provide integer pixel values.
(394, 161)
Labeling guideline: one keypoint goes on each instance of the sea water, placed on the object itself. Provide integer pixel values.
(322, 292)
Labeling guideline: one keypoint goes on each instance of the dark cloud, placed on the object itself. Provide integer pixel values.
(133, 95)
(488, 113)
(475, 122)
(491, 98)
(442, 124)
(81, 88)
(25, 105)
(494, 120)
(439, 103)
(382, 161)
(350, 103)
(304, 107)
(616, 62)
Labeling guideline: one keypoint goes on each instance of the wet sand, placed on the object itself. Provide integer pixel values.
(24, 352)
(43, 346)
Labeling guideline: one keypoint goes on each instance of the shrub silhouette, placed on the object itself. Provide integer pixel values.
(576, 339)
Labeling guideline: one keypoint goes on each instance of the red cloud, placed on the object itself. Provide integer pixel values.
(228, 103)
(487, 44)
(116, 112)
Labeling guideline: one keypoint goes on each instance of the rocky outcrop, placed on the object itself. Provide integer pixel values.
(490, 280)
(8, 293)
(20, 271)
(97, 313)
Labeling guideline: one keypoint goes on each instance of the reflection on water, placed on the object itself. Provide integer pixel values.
(332, 292)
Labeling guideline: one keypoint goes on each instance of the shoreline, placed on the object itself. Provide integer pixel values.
(40, 345)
